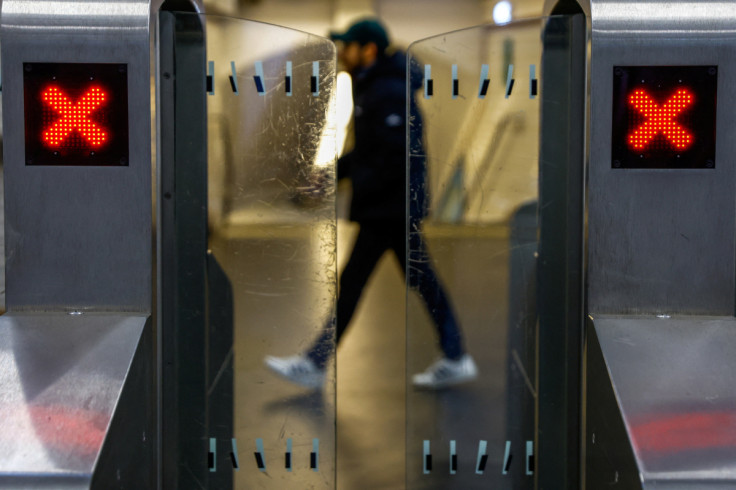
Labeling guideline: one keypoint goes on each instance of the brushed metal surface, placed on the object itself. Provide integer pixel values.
(661, 241)
(61, 378)
(77, 236)
(673, 381)
(609, 458)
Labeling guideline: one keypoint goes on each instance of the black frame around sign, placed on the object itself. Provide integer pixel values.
(661, 82)
(75, 79)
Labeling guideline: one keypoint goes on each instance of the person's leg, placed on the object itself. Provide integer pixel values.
(423, 278)
(370, 244)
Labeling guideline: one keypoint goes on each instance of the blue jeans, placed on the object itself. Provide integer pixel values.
(373, 240)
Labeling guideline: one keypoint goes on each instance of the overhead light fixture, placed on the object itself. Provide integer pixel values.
(502, 12)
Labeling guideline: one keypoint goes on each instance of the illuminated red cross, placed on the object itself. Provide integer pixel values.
(74, 117)
(661, 119)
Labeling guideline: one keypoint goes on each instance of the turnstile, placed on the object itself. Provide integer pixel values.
(660, 411)
(496, 197)
(122, 366)
(77, 355)
(570, 179)
(575, 193)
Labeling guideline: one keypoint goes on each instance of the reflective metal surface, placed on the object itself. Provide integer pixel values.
(62, 379)
(94, 251)
(661, 241)
(673, 384)
(44, 17)
(660, 398)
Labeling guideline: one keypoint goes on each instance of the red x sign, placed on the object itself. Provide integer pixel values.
(660, 119)
(74, 117)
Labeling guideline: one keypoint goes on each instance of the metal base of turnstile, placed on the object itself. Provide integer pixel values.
(661, 403)
(76, 401)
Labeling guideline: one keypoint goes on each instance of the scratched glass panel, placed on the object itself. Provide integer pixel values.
(272, 223)
(472, 246)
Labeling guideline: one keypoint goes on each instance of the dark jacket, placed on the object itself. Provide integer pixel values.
(377, 163)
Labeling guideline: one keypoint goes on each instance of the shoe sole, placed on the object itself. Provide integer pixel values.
(445, 384)
(275, 369)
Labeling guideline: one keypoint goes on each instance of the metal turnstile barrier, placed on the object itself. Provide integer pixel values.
(472, 108)
(271, 167)
(659, 408)
(570, 214)
(526, 237)
(129, 366)
(77, 341)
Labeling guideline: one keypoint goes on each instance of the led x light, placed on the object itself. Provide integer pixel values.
(74, 117)
(661, 119)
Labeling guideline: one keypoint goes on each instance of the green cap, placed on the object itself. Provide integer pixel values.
(364, 31)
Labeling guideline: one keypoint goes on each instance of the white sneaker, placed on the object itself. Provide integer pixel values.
(446, 372)
(297, 369)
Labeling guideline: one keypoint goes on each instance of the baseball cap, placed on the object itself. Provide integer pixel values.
(364, 31)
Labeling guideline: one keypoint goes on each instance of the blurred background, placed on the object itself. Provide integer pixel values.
(407, 20)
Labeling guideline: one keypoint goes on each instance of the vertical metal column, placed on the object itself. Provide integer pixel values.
(560, 262)
(195, 294)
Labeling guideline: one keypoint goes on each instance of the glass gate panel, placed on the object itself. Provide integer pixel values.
(271, 157)
(473, 227)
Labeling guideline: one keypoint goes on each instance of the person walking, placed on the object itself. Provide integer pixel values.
(377, 168)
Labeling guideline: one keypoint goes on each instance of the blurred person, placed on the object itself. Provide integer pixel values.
(377, 168)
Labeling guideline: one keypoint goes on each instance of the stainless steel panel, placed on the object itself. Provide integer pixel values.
(61, 380)
(609, 459)
(673, 382)
(661, 240)
(76, 236)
